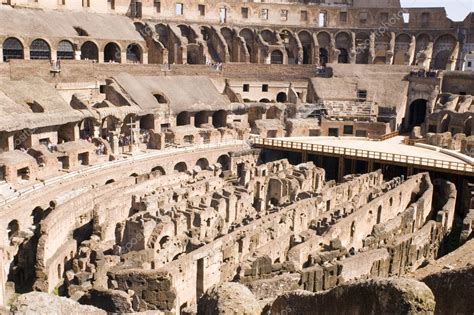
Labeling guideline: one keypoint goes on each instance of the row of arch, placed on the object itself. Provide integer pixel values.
(202, 163)
(40, 49)
(305, 46)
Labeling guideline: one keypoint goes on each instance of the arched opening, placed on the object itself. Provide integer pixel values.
(13, 229)
(147, 122)
(160, 98)
(12, 49)
(201, 118)
(39, 49)
(379, 214)
(343, 56)
(158, 171)
(163, 241)
(65, 50)
(37, 215)
(307, 43)
(110, 181)
(264, 100)
(193, 56)
(442, 50)
(89, 51)
(219, 119)
(402, 46)
(274, 113)
(134, 53)
(181, 167)
(112, 53)
(468, 126)
(86, 128)
(109, 124)
(276, 57)
(445, 123)
(224, 161)
(183, 119)
(203, 163)
(362, 48)
(323, 56)
(417, 112)
(282, 97)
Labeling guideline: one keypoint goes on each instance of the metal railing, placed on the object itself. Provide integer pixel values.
(366, 154)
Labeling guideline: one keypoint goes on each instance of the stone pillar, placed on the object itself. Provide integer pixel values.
(123, 56)
(11, 142)
(353, 49)
(372, 48)
(370, 166)
(391, 51)
(409, 171)
(340, 169)
(332, 49)
(145, 58)
(101, 57)
(26, 52)
(114, 142)
(304, 157)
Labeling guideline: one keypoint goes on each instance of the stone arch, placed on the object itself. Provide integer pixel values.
(110, 181)
(343, 40)
(276, 57)
(40, 49)
(442, 50)
(66, 50)
(307, 43)
(13, 49)
(180, 167)
(203, 163)
(417, 112)
(183, 119)
(112, 53)
(219, 119)
(158, 170)
(264, 100)
(134, 53)
(362, 48)
(268, 36)
(282, 97)
(324, 39)
(201, 118)
(13, 229)
(37, 215)
(108, 125)
(224, 161)
(89, 51)
(402, 46)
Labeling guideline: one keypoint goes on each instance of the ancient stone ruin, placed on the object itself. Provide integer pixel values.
(263, 157)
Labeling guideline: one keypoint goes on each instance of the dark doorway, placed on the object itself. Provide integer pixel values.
(417, 112)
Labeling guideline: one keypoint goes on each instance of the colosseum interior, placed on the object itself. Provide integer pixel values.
(260, 157)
